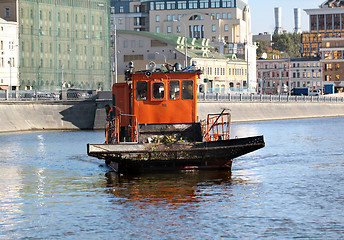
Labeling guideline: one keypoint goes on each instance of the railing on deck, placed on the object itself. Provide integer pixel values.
(230, 97)
(216, 127)
(113, 129)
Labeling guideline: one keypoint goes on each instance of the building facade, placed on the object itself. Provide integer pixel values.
(62, 43)
(9, 61)
(221, 74)
(332, 59)
(276, 75)
(217, 20)
(327, 21)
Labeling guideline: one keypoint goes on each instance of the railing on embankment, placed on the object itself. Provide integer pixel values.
(35, 95)
(266, 98)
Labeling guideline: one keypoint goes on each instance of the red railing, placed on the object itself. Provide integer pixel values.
(113, 129)
(216, 127)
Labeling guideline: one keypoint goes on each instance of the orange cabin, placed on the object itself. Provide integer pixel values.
(158, 98)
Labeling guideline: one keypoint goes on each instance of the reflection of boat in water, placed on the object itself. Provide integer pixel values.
(165, 187)
(155, 126)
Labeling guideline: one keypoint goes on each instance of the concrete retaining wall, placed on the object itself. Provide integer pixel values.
(75, 115)
(51, 115)
(262, 111)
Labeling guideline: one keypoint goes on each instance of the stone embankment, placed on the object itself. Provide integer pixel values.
(90, 114)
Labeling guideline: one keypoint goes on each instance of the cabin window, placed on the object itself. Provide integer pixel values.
(141, 90)
(158, 90)
(187, 90)
(174, 90)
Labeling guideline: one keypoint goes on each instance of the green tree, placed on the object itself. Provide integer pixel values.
(289, 44)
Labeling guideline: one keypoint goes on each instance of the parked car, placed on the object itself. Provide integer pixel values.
(315, 92)
(79, 93)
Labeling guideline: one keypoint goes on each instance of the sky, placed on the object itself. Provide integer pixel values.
(263, 16)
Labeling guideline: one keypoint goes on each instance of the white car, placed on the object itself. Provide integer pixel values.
(315, 92)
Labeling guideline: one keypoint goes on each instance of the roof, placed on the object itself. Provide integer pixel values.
(168, 38)
(332, 4)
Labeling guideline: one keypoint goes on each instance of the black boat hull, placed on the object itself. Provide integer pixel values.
(136, 158)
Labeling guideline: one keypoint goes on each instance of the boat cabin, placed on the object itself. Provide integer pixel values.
(156, 102)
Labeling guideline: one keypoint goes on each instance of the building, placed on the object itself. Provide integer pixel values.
(276, 75)
(9, 63)
(62, 43)
(326, 40)
(333, 62)
(305, 72)
(226, 23)
(226, 20)
(221, 73)
(273, 76)
(327, 21)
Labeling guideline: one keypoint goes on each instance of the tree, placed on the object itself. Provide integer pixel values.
(288, 43)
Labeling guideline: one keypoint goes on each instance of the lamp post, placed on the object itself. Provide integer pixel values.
(185, 44)
(114, 56)
(10, 83)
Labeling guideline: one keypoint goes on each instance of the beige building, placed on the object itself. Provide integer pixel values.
(221, 73)
(9, 61)
(226, 23)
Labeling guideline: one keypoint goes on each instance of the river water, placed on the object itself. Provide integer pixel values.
(292, 188)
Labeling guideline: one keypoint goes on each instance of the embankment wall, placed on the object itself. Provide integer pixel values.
(266, 111)
(52, 115)
(75, 115)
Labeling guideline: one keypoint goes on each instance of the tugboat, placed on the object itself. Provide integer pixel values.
(155, 126)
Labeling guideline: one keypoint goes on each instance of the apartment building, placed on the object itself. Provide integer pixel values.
(9, 61)
(327, 21)
(62, 43)
(221, 73)
(276, 75)
(217, 20)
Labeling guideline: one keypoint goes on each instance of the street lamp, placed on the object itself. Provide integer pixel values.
(114, 36)
(185, 44)
(10, 85)
(163, 55)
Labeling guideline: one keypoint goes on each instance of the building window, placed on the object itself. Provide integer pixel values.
(7, 12)
(121, 9)
(179, 17)
(160, 5)
(192, 4)
(213, 28)
(226, 27)
(168, 18)
(215, 4)
(182, 5)
(203, 4)
(178, 29)
(157, 29)
(157, 18)
(171, 5)
(169, 29)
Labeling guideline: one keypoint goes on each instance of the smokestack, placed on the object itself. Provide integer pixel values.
(278, 20)
(297, 18)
